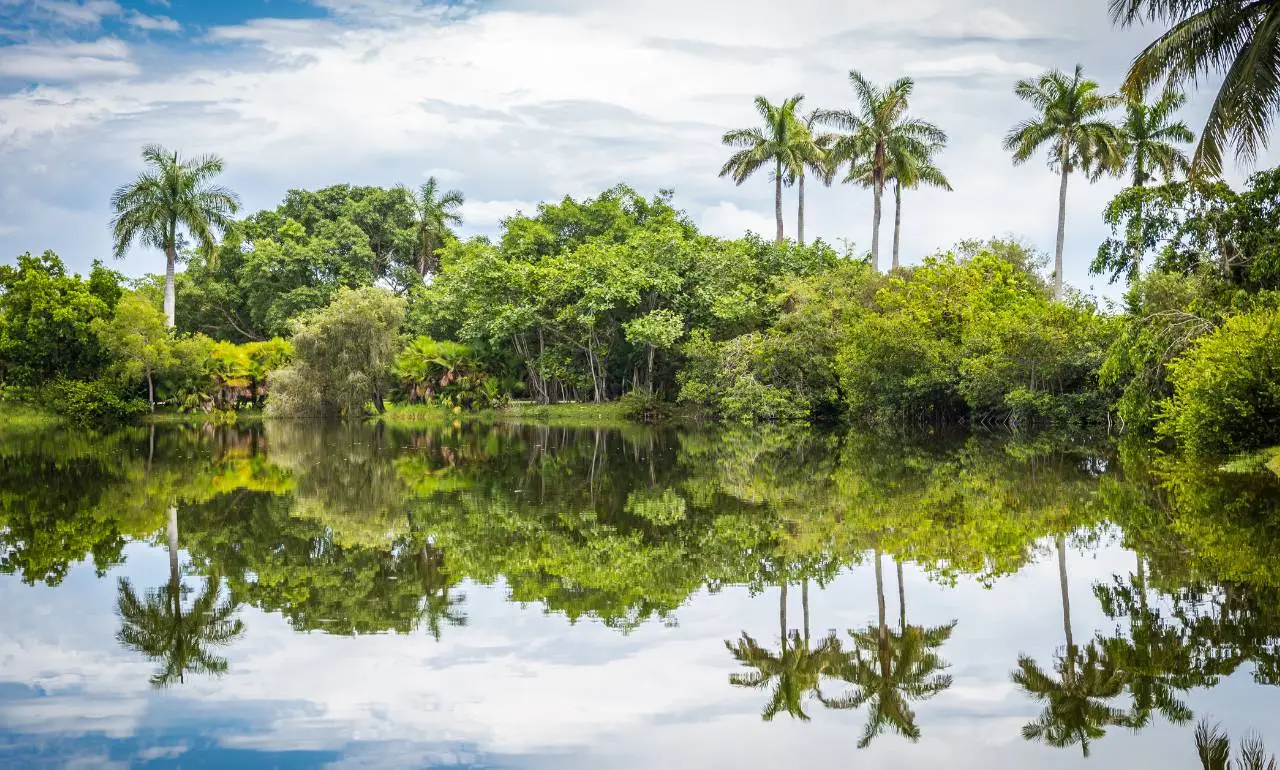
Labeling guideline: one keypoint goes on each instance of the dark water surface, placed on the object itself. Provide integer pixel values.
(300, 595)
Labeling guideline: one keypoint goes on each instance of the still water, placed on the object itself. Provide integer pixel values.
(299, 595)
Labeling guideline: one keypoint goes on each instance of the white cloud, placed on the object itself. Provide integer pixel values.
(104, 58)
(727, 220)
(140, 20)
(81, 13)
(487, 214)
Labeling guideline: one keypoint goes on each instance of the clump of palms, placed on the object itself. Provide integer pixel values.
(880, 131)
(912, 169)
(1213, 746)
(173, 195)
(817, 159)
(433, 212)
(1071, 122)
(1237, 40)
(783, 142)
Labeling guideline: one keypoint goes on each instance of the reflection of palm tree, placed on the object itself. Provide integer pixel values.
(157, 627)
(439, 604)
(1214, 748)
(1075, 710)
(890, 669)
(796, 671)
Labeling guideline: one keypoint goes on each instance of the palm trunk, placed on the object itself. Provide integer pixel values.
(782, 613)
(880, 595)
(151, 392)
(800, 213)
(877, 193)
(1066, 597)
(897, 220)
(804, 604)
(902, 601)
(170, 295)
(777, 200)
(1062, 236)
(172, 532)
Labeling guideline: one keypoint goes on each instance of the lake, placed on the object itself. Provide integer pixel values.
(500, 596)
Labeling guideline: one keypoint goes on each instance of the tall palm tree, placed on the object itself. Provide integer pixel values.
(782, 141)
(1071, 122)
(171, 196)
(880, 130)
(911, 169)
(795, 672)
(1232, 38)
(1213, 746)
(815, 158)
(1152, 137)
(433, 212)
(890, 669)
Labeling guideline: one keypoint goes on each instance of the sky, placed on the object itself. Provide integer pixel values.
(520, 101)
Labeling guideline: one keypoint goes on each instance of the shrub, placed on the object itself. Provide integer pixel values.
(642, 406)
(91, 403)
(1226, 388)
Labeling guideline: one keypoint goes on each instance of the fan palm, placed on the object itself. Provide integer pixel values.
(172, 195)
(782, 141)
(880, 131)
(1071, 122)
(433, 212)
(911, 169)
(1233, 38)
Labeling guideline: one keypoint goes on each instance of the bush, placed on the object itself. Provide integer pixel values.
(645, 407)
(1226, 388)
(92, 403)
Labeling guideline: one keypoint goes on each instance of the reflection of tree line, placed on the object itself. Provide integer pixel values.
(361, 530)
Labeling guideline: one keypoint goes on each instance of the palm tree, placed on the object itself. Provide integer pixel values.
(433, 212)
(796, 671)
(909, 171)
(783, 140)
(1213, 746)
(172, 195)
(1152, 136)
(1071, 121)
(880, 131)
(159, 628)
(889, 670)
(815, 158)
(1227, 37)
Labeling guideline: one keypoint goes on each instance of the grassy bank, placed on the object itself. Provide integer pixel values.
(241, 416)
(553, 415)
(17, 418)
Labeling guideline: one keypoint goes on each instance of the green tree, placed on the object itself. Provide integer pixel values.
(181, 639)
(908, 172)
(343, 356)
(656, 330)
(1232, 39)
(433, 212)
(1071, 121)
(1152, 137)
(880, 131)
(1213, 747)
(139, 341)
(783, 141)
(172, 195)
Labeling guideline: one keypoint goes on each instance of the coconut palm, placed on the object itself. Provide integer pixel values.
(433, 212)
(1213, 746)
(1236, 40)
(911, 168)
(889, 670)
(815, 159)
(782, 140)
(1152, 137)
(1071, 121)
(171, 196)
(880, 130)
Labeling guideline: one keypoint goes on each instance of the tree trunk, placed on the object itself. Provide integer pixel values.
(880, 593)
(902, 601)
(877, 189)
(1066, 597)
(897, 220)
(800, 213)
(777, 200)
(804, 604)
(782, 613)
(1062, 235)
(151, 392)
(650, 374)
(170, 260)
(378, 403)
(172, 532)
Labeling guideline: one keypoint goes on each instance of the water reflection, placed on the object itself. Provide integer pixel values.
(363, 531)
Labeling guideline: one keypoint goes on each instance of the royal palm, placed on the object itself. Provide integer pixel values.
(782, 142)
(1233, 38)
(816, 159)
(1152, 137)
(880, 131)
(911, 169)
(433, 212)
(173, 195)
(1071, 123)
